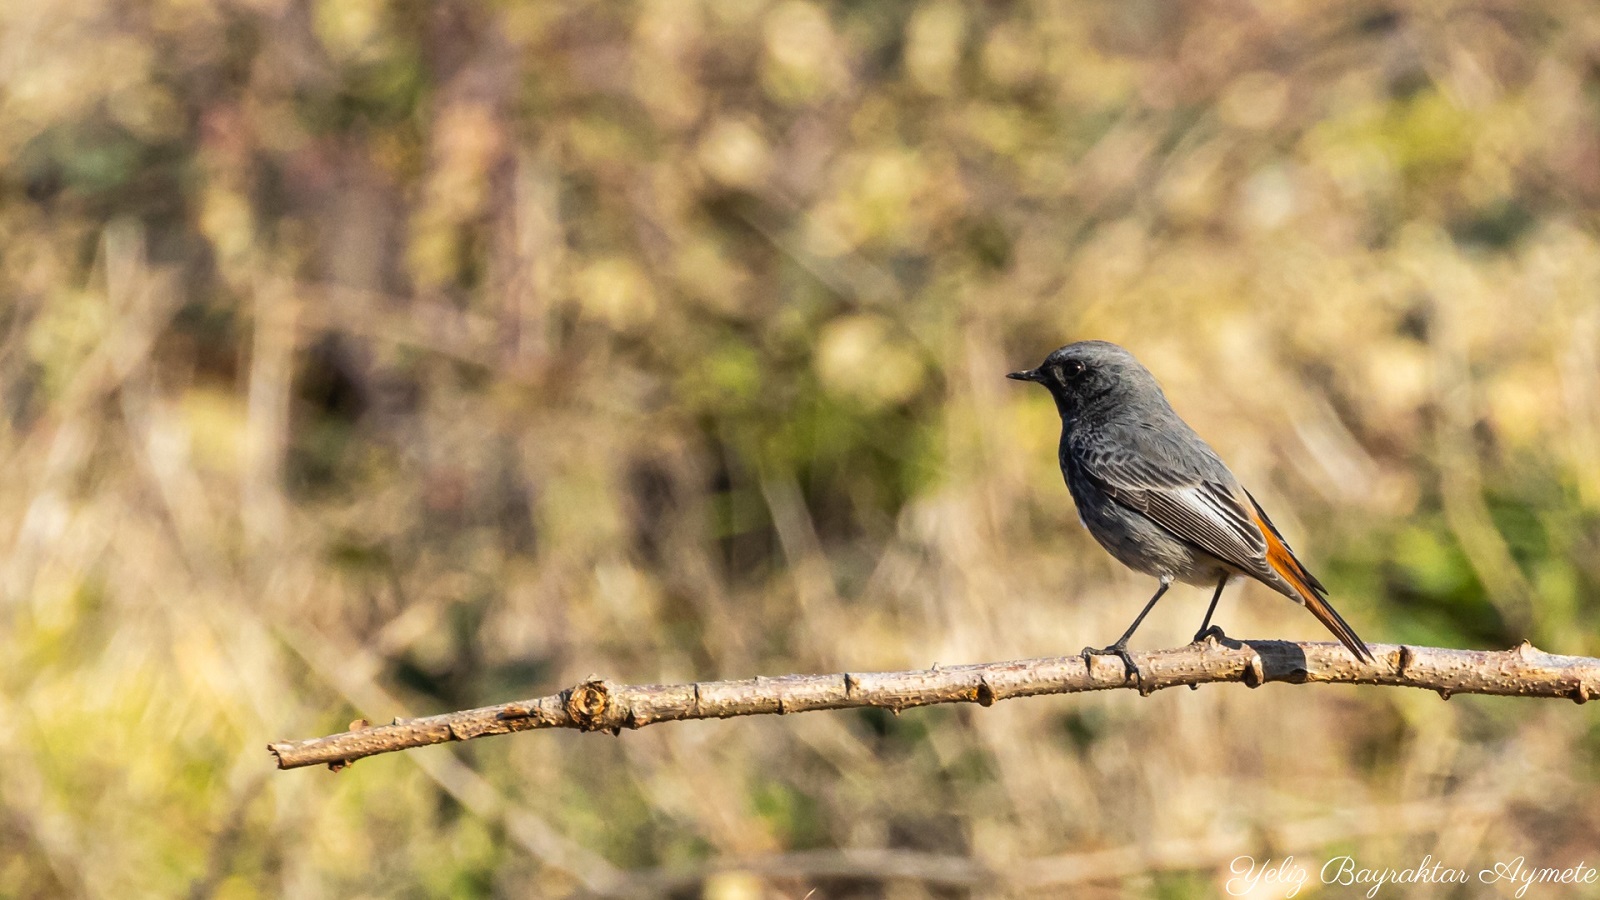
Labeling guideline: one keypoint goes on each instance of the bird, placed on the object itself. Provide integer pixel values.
(1158, 498)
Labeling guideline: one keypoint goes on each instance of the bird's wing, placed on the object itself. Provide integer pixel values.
(1210, 513)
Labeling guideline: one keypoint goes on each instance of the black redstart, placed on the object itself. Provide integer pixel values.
(1157, 497)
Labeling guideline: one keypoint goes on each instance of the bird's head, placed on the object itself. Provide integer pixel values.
(1094, 374)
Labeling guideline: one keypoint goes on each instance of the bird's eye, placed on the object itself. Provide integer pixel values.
(1074, 368)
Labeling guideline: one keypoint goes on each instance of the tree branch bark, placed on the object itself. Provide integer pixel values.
(598, 705)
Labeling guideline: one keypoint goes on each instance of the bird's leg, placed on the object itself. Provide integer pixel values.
(1206, 628)
(1120, 648)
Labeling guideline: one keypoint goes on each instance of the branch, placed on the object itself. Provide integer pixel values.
(597, 705)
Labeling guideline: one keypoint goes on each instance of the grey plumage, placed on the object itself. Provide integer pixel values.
(1154, 494)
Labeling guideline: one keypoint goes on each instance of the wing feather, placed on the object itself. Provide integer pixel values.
(1211, 514)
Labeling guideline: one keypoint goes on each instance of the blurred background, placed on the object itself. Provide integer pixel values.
(364, 358)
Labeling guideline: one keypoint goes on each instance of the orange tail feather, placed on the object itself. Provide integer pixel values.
(1312, 593)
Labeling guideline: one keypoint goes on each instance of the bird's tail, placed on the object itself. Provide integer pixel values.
(1312, 594)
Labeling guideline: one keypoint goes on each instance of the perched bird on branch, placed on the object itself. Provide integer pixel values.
(1157, 497)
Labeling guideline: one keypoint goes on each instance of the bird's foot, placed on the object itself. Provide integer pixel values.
(1130, 671)
(1210, 631)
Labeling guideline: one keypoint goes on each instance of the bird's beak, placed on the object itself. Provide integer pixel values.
(1027, 375)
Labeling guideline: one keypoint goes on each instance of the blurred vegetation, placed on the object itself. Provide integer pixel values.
(373, 358)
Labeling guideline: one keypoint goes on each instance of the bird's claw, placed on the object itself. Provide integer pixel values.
(1210, 631)
(1130, 671)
